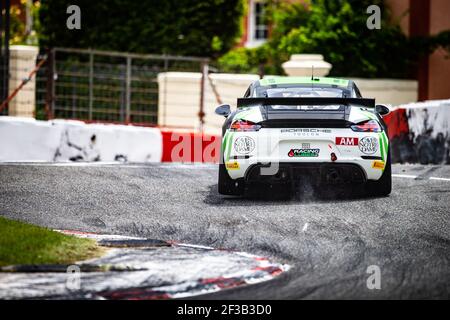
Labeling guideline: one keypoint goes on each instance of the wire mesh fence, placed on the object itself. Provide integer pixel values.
(104, 86)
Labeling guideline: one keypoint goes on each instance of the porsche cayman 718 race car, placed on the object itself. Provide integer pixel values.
(286, 129)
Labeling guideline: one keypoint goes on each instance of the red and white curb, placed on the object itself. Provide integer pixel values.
(264, 270)
(176, 270)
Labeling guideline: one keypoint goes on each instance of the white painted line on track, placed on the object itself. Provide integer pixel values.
(110, 165)
(188, 166)
(439, 179)
(58, 164)
(305, 227)
(407, 176)
(194, 246)
(83, 164)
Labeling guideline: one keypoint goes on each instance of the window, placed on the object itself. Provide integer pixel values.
(258, 31)
(304, 92)
(298, 91)
(261, 30)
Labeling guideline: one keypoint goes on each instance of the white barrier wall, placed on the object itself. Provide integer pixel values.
(420, 132)
(389, 91)
(60, 140)
(430, 118)
(28, 139)
(179, 96)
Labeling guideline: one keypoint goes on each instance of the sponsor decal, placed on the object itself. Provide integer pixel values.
(232, 165)
(378, 165)
(306, 132)
(346, 141)
(306, 153)
(368, 145)
(244, 145)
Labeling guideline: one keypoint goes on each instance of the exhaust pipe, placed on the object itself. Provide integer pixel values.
(333, 176)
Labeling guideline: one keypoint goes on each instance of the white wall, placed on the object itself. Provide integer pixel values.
(429, 118)
(427, 140)
(389, 91)
(62, 140)
(179, 96)
(28, 139)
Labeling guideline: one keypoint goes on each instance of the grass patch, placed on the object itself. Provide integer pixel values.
(23, 243)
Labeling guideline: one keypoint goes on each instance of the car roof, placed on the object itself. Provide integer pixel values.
(280, 80)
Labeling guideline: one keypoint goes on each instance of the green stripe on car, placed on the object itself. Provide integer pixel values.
(229, 143)
(243, 114)
(380, 139)
(386, 143)
(224, 142)
(370, 115)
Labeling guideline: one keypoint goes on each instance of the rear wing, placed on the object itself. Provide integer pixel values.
(242, 102)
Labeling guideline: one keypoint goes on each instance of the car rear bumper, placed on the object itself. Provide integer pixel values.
(330, 173)
(299, 148)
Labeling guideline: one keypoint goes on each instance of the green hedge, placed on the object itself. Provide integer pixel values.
(181, 27)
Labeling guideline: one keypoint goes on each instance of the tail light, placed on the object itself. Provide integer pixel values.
(367, 126)
(244, 125)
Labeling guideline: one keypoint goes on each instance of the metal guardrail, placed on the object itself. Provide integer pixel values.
(105, 86)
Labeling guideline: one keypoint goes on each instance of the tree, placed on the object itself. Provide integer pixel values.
(337, 29)
(22, 32)
(181, 27)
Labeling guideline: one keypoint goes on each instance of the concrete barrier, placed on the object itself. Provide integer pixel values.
(63, 140)
(28, 139)
(418, 132)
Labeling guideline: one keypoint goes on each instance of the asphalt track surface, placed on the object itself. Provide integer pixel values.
(329, 241)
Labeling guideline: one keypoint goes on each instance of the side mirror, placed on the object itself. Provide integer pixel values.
(382, 109)
(223, 110)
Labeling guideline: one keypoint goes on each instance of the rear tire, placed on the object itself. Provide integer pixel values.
(228, 186)
(383, 186)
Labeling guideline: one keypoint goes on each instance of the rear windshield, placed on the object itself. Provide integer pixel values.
(284, 107)
(301, 92)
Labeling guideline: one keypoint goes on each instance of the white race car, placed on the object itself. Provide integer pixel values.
(286, 129)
